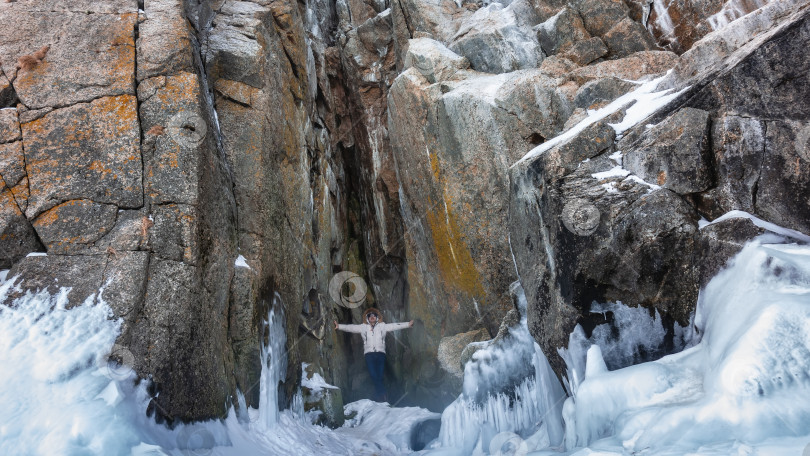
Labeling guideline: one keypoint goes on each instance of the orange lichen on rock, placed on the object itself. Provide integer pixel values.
(455, 261)
(456, 264)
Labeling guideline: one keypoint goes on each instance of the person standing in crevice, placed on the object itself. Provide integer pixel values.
(373, 331)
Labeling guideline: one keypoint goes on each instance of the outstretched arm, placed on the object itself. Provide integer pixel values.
(398, 326)
(349, 328)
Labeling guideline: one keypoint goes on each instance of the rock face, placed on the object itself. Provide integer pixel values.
(144, 151)
(582, 231)
(101, 180)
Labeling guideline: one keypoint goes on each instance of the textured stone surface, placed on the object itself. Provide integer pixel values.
(720, 241)
(599, 16)
(494, 41)
(7, 96)
(627, 37)
(74, 225)
(9, 126)
(561, 32)
(738, 144)
(767, 146)
(81, 273)
(435, 17)
(579, 238)
(449, 173)
(318, 165)
(677, 25)
(434, 60)
(172, 102)
(86, 151)
(12, 170)
(624, 245)
(599, 92)
(90, 55)
(714, 53)
(166, 343)
(17, 236)
(585, 52)
(164, 40)
(632, 67)
(673, 154)
(451, 347)
(784, 183)
(125, 279)
(173, 234)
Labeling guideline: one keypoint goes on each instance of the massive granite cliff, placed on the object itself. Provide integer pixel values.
(146, 146)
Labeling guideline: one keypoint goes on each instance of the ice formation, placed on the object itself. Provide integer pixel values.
(633, 336)
(745, 382)
(62, 396)
(510, 394)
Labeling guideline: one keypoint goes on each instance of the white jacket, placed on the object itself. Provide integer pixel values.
(373, 337)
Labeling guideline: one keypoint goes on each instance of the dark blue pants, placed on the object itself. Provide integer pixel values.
(375, 361)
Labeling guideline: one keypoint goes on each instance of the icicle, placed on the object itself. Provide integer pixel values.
(274, 365)
(594, 363)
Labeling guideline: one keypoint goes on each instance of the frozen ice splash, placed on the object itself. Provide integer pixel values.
(67, 389)
(748, 380)
(59, 396)
(511, 401)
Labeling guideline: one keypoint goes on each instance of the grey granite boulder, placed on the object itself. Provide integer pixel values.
(627, 37)
(673, 154)
(599, 92)
(561, 32)
(587, 51)
(433, 59)
(495, 41)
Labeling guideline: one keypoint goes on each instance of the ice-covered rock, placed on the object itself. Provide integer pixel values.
(581, 232)
(495, 40)
(747, 376)
(434, 60)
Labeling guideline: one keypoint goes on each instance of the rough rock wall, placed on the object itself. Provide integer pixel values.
(145, 151)
(124, 190)
(731, 141)
(678, 24)
(480, 86)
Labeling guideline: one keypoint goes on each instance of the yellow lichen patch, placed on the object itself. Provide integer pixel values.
(122, 50)
(99, 167)
(49, 217)
(455, 261)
